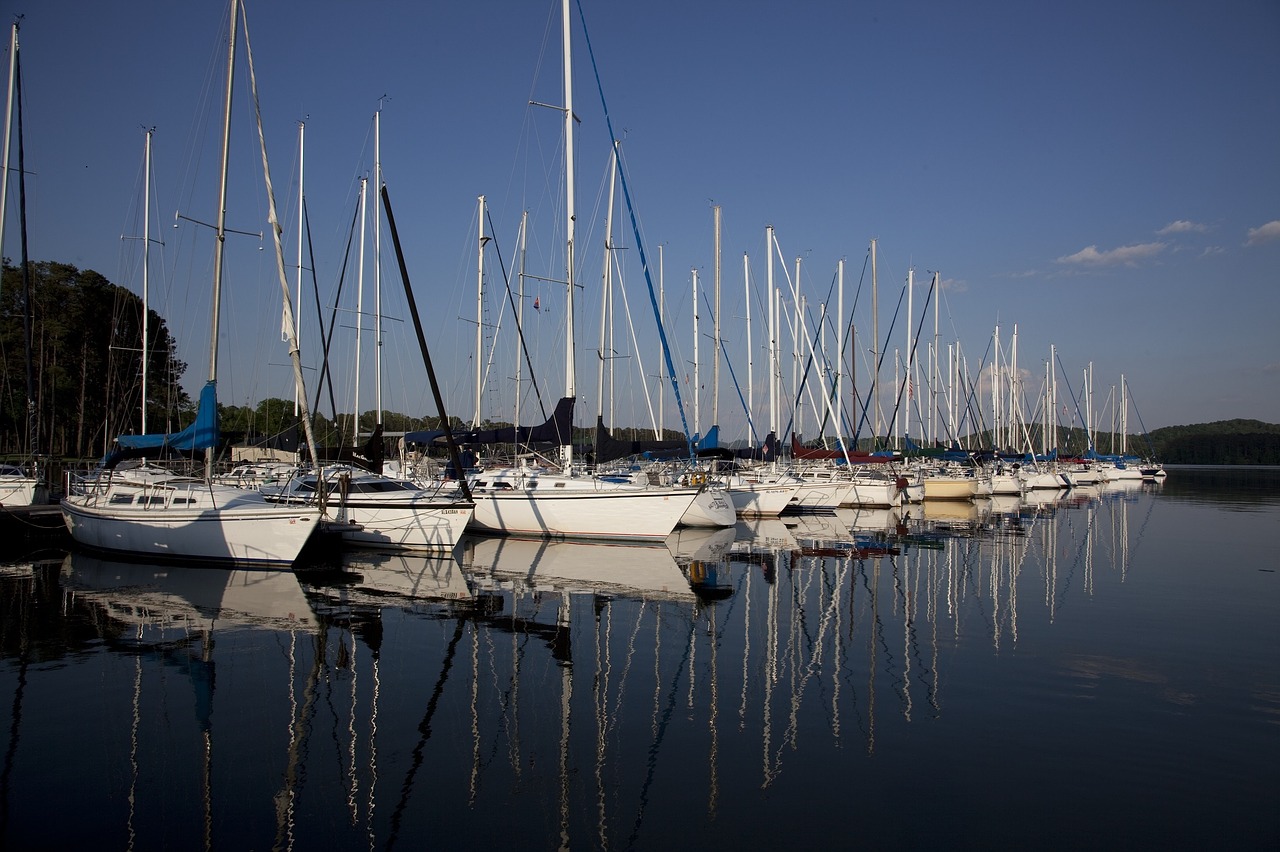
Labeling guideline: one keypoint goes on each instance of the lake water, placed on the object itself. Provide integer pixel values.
(1096, 671)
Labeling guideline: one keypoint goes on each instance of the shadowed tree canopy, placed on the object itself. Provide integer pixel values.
(86, 350)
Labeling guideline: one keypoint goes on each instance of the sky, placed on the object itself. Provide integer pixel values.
(1102, 176)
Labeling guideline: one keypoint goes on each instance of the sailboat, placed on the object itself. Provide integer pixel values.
(152, 511)
(532, 499)
(19, 485)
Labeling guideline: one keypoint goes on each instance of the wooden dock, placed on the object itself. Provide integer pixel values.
(41, 523)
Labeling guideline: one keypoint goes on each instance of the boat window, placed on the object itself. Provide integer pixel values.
(121, 499)
(177, 500)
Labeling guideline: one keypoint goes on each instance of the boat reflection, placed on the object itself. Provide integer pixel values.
(574, 566)
(147, 596)
(384, 698)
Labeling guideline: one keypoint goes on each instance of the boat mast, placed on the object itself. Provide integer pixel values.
(875, 350)
(751, 391)
(906, 373)
(524, 222)
(715, 325)
(773, 331)
(662, 363)
(933, 361)
(570, 376)
(146, 265)
(840, 340)
(221, 226)
(697, 375)
(607, 296)
(377, 271)
(355, 425)
(475, 418)
(8, 126)
(297, 330)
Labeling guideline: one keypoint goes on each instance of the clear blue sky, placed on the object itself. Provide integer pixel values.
(1106, 176)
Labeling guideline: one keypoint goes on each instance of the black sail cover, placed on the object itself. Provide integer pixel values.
(557, 430)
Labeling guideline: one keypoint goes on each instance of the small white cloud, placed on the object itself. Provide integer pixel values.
(1127, 255)
(1265, 233)
(1212, 250)
(1182, 226)
(955, 285)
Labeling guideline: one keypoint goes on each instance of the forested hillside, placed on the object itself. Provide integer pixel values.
(1219, 442)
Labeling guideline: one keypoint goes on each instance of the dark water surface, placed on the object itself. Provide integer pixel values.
(1100, 670)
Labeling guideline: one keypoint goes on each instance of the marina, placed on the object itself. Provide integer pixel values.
(1092, 668)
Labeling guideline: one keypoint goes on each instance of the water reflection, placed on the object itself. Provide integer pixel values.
(1240, 488)
(538, 693)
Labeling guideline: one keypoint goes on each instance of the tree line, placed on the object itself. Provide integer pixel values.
(85, 353)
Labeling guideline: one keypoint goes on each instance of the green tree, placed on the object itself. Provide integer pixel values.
(87, 361)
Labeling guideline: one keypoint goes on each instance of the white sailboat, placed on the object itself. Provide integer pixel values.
(372, 510)
(19, 485)
(157, 513)
(566, 502)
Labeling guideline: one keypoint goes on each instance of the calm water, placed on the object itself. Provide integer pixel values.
(1099, 671)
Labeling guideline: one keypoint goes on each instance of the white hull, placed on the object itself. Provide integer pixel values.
(711, 508)
(548, 505)
(369, 510)
(404, 526)
(17, 492)
(187, 520)
(814, 496)
(1006, 484)
(1037, 480)
(760, 499)
(19, 489)
(874, 494)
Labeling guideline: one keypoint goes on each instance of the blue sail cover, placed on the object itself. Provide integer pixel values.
(201, 434)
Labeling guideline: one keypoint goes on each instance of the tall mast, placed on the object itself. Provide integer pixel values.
(377, 270)
(797, 330)
(524, 221)
(221, 226)
(839, 343)
(662, 362)
(933, 360)
(475, 419)
(773, 330)
(570, 375)
(607, 295)
(8, 127)
(715, 324)
(146, 264)
(875, 348)
(751, 390)
(297, 330)
(697, 375)
(910, 353)
(364, 195)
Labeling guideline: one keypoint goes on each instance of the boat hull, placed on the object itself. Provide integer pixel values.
(219, 524)
(404, 526)
(761, 499)
(612, 514)
(950, 488)
(711, 508)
